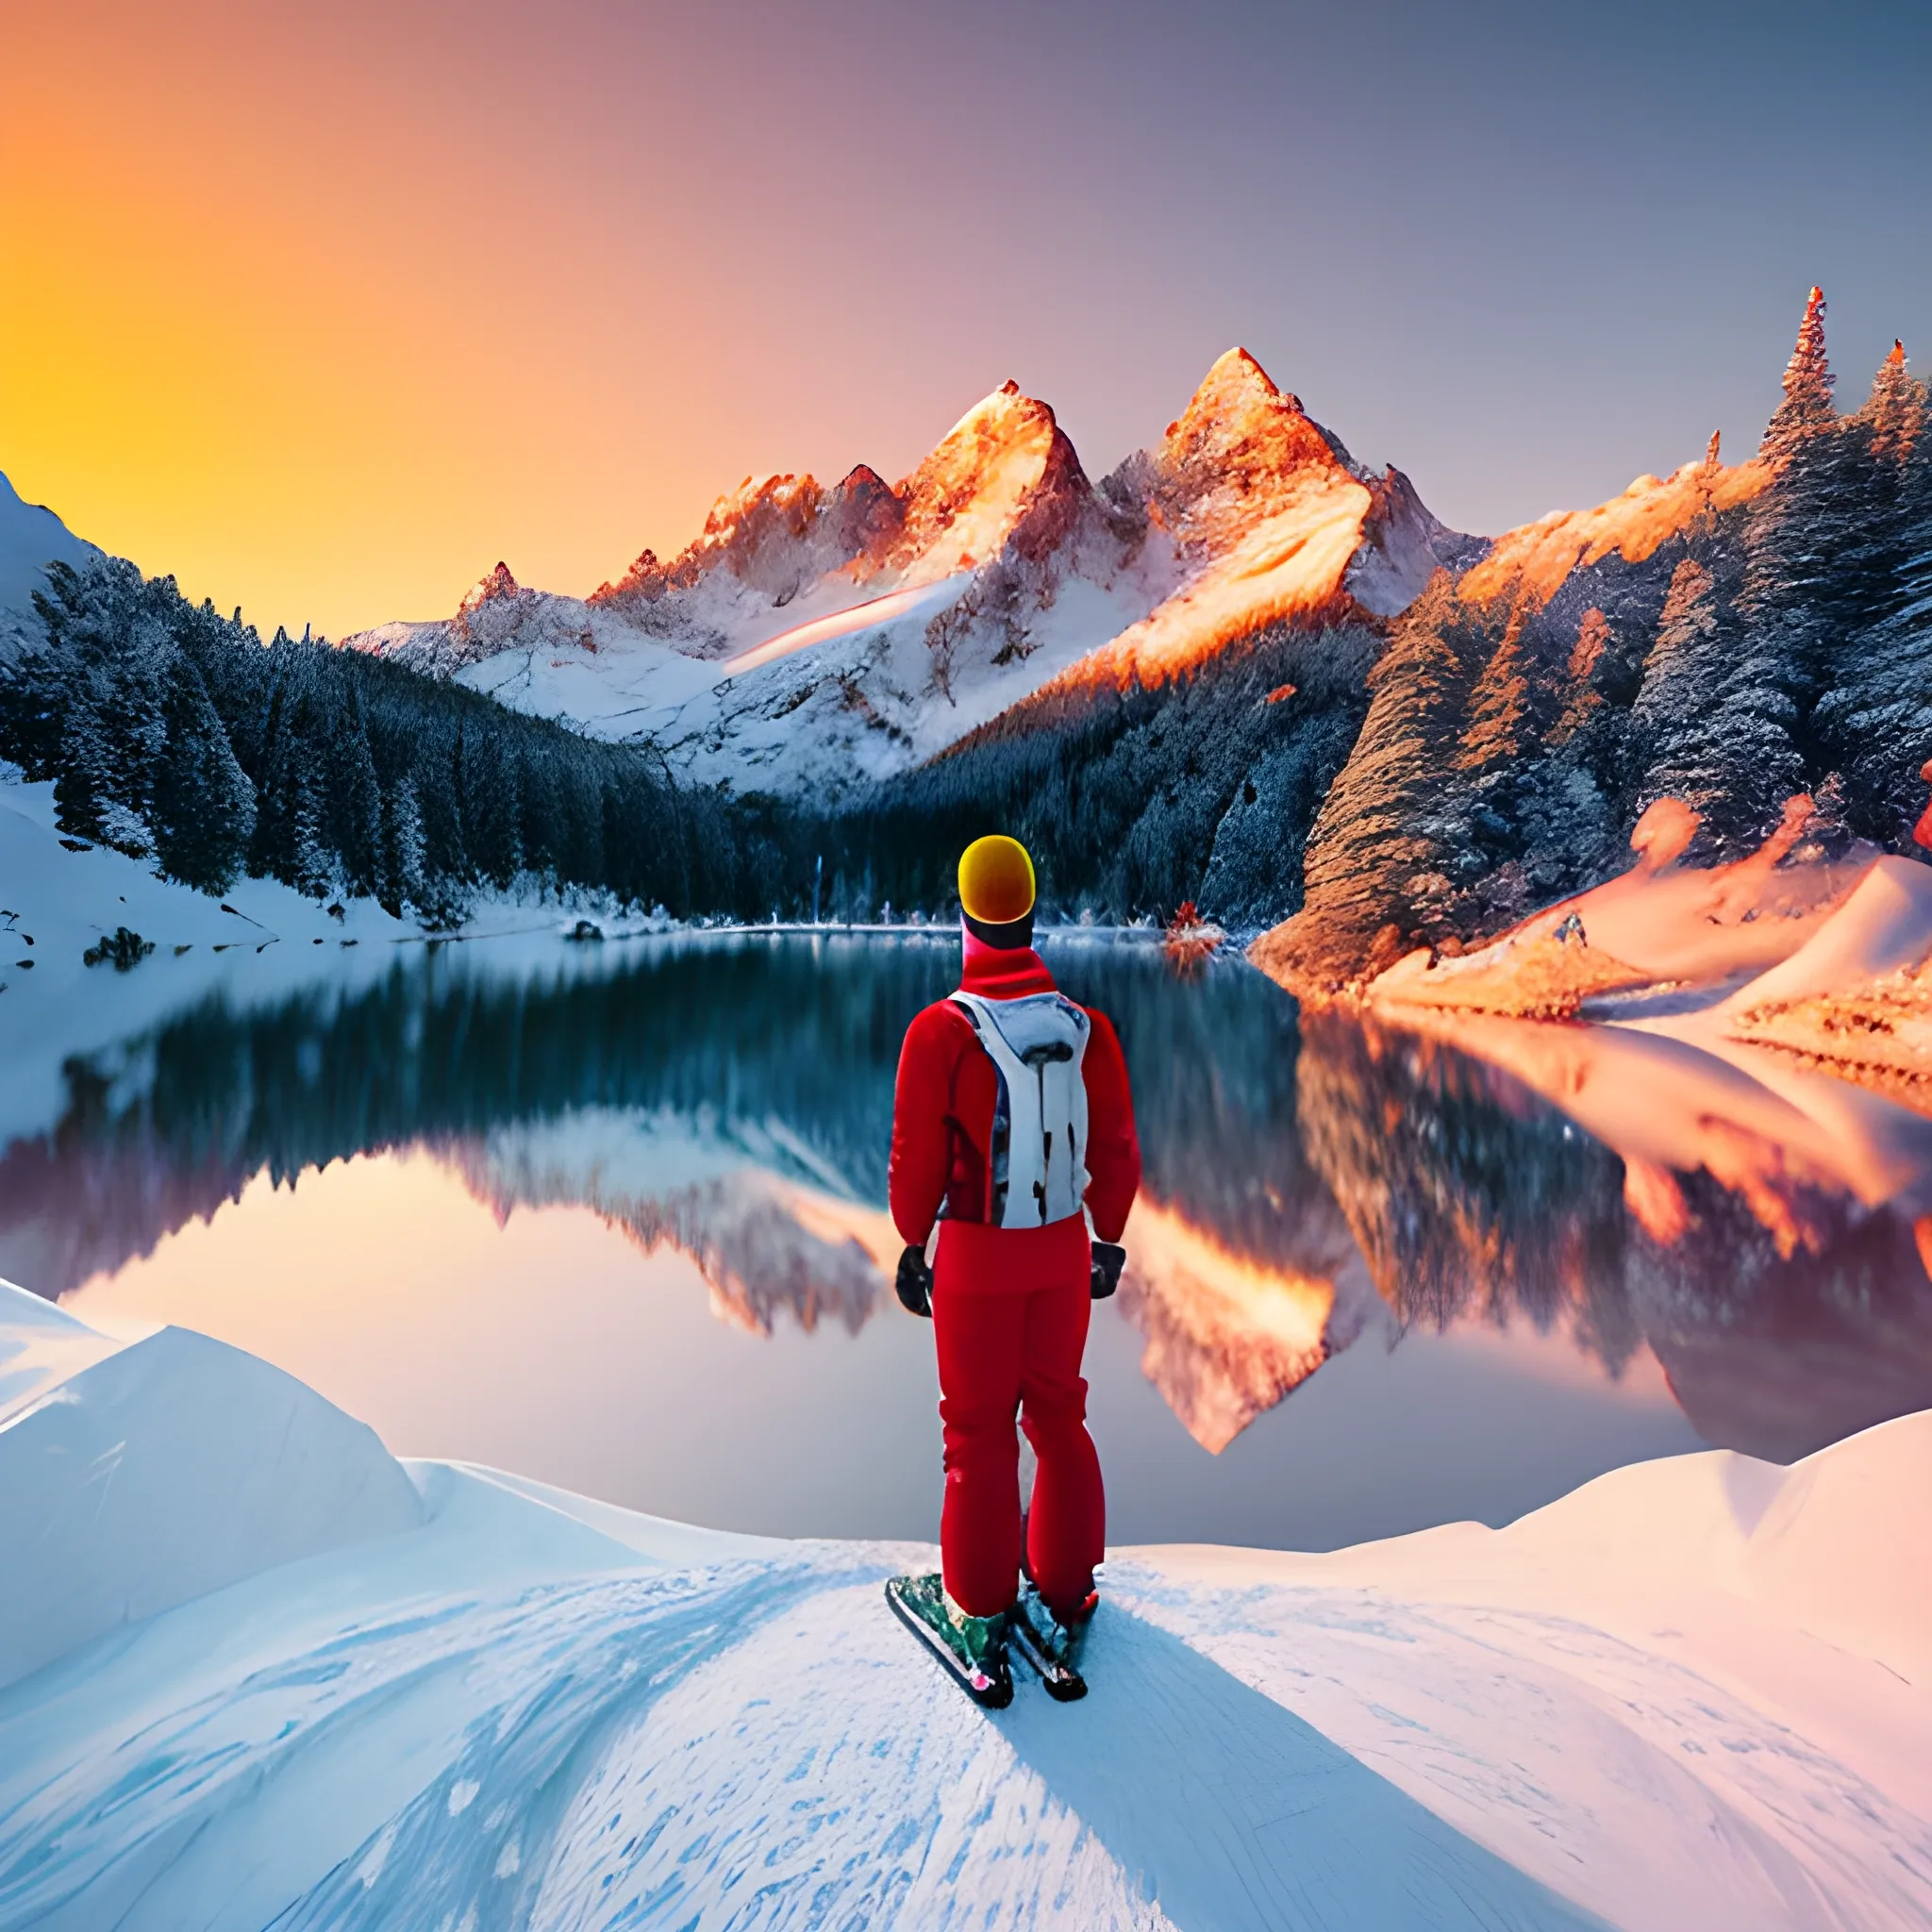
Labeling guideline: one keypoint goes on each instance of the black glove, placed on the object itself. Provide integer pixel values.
(1107, 1263)
(914, 1283)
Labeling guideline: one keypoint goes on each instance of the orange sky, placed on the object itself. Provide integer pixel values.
(327, 308)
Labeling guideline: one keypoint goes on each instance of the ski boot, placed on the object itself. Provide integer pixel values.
(1051, 1646)
(974, 1649)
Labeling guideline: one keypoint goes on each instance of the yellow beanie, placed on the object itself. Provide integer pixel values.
(997, 880)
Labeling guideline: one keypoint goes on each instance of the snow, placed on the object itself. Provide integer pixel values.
(1693, 1693)
(163, 1470)
(31, 538)
(1537, 557)
(55, 903)
(780, 651)
(1885, 924)
(1287, 562)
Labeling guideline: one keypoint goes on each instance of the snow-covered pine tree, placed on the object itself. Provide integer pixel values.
(272, 850)
(1387, 845)
(1713, 721)
(402, 846)
(204, 805)
(83, 782)
(354, 829)
(491, 790)
(1500, 725)
(1875, 723)
(315, 866)
(1807, 403)
(1752, 633)
(434, 772)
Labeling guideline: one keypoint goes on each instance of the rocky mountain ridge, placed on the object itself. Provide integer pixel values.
(811, 634)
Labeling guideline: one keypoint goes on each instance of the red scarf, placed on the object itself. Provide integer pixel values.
(1002, 972)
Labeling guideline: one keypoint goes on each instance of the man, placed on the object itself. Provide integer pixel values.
(1011, 1117)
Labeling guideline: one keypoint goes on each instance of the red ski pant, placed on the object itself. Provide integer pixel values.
(1009, 1310)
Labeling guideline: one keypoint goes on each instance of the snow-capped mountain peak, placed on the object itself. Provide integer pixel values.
(814, 637)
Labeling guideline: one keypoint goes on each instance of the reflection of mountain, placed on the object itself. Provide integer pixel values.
(722, 1193)
(1228, 1336)
(732, 1097)
(1785, 1312)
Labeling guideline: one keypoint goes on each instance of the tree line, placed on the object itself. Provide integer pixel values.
(172, 732)
(1777, 647)
(1428, 782)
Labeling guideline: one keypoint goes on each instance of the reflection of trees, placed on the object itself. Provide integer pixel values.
(1213, 1061)
(1779, 1348)
(709, 1092)
(447, 1048)
(1472, 1198)
(1469, 1196)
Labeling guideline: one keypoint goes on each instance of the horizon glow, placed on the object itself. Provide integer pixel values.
(326, 311)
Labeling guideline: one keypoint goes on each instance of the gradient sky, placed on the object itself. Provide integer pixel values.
(325, 307)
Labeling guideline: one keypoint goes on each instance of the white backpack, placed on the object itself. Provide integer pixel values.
(1037, 1045)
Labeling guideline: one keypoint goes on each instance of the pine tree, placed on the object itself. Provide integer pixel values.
(1582, 700)
(313, 867)
(491, 790)
(1388, 848)
(1499, 723)
(434, 773)
(83, 784)
(403, 848)
(203, 805)
(1807, 405)
(1895, 411)
(272, 850)
(355, 797)
(1714, 714)
(1875, 723)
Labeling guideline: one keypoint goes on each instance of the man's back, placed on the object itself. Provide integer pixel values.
(973, 1151)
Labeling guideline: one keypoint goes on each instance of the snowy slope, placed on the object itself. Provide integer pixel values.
(30, 538)
(812, 635)
(1691, 1694)
(57, 902)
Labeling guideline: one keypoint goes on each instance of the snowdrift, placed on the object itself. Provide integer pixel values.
(1855, 996)
(257, 1671)
(160, 1472)
(1884, 925)
(1659, 926)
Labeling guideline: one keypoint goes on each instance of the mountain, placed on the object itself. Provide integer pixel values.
(1241, 669)
(31, 537)
(816, 638)
(1749, 646)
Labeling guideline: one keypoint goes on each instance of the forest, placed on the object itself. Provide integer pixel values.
(173, 732)
(1426, 780)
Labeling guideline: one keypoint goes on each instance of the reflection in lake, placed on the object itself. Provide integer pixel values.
(1308, 1187)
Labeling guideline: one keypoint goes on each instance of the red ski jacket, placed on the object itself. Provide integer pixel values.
(943, 1109)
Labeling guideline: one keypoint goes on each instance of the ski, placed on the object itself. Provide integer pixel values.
(989, 1682)
(1062, 1680)
(1049, 1646)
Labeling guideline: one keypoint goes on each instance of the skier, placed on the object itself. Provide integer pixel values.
(1012, 1124)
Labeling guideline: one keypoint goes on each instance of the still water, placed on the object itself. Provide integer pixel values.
(613, 1216)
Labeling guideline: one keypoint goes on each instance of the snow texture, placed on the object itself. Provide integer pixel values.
(1691, 1694)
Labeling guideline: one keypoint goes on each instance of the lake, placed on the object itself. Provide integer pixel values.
(612, 1215)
